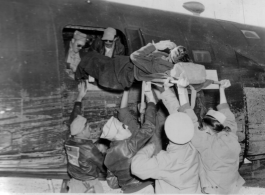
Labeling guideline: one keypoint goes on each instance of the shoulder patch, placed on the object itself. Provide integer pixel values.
(72, 154)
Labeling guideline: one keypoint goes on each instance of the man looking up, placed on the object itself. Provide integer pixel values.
(110, 45)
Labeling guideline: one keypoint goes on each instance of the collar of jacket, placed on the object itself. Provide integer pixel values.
(175, 147)
(78, 139)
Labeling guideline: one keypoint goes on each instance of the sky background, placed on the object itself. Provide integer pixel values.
(242, 11)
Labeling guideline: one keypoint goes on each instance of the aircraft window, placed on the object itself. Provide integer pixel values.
(201, 56)
(92, 41)
(250, 34)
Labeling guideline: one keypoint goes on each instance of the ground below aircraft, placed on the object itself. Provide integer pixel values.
(37, 95)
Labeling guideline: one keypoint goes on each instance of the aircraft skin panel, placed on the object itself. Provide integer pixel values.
(30, 90)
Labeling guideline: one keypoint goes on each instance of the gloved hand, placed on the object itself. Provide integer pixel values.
(82, 88)
(167, 83)
(183, 81)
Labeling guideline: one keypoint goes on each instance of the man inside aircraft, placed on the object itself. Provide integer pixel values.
(110, 44)
(85, 155)
(73, 52)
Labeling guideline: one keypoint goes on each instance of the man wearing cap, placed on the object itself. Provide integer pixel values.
(85, 158)
(125, 142)
(110, 45)
(176, 170)
(72, 52)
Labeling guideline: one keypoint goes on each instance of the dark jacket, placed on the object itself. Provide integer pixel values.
(98, 45)
(85, 161)
(120, 154)
(159, 138)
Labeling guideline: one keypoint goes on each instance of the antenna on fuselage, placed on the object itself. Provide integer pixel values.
(195, 7)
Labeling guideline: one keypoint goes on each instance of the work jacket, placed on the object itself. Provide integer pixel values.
(176, 170)
(119, 155)
(159, 137)
(219, 155)
(85, 161)
(99, 46)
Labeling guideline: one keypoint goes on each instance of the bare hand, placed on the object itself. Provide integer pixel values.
(164, 45)
(167, 83)
(82, 88)
(183, 80)
(225, 84)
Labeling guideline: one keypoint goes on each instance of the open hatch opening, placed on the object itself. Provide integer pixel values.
(93, 41)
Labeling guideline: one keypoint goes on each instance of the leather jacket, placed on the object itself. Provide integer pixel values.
(85, 161)
(119, 156)
(98, 45)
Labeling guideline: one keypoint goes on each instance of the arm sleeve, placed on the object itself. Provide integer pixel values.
(87, 161)
(76, 111)
(141, 56)
(143, 165)
(140, 138)
(230, 120)
(112, 180)
(88, 167)
(127, 118)
(170, 101)
(200, 138)
(119, 48)
(91, 160)
(98, 159)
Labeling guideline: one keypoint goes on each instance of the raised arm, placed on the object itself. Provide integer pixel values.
(141, 55)
(142, 52)
(223, 107)
(124, 114)
(139, 139)
(82, 89)
(224, 84)
(169, 98)
(124, 99)
(184, 99)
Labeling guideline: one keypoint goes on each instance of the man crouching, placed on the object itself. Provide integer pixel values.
(124, 145)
